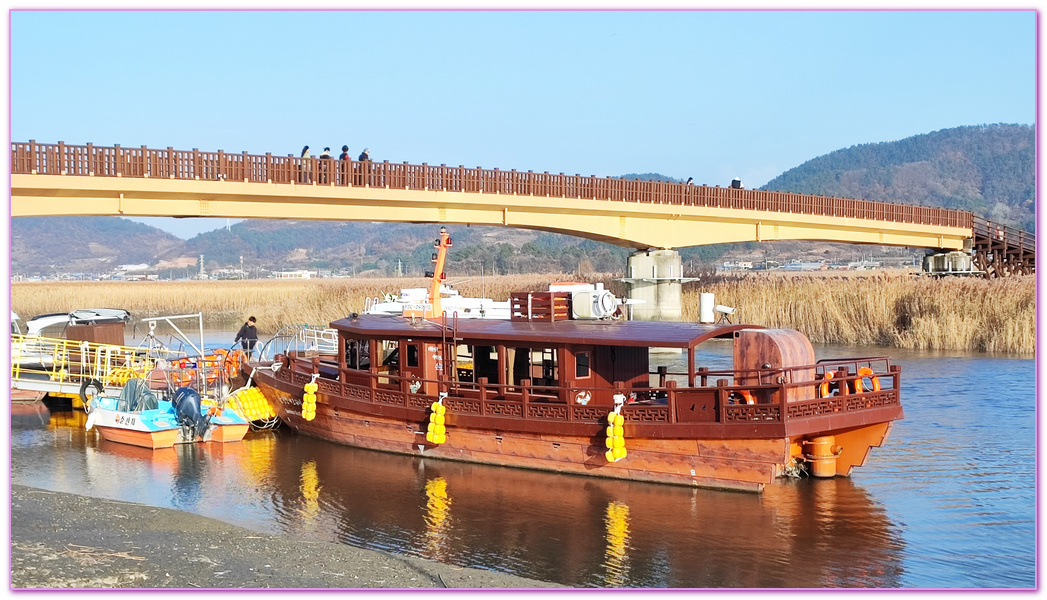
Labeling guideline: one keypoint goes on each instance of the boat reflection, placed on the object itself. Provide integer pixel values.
(592, 532)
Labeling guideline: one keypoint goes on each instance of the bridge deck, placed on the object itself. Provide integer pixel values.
(638, 214)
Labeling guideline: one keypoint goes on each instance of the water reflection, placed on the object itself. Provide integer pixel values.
(616, 557)
(437, 511)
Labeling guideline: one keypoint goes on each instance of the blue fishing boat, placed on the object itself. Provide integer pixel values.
(139, 418)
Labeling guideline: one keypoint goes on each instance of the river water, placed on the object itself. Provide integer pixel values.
(948, 502)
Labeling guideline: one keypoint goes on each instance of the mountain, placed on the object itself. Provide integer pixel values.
(48, 245)
(988, 169)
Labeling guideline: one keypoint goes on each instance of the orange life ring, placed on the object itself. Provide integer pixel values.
(825, 389)
(874, 382)
(741, 397)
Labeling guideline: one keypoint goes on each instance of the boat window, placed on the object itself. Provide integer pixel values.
(412, 355)
(357, 354)
(390, 353)
(485, 363)
(463, 363)
(581, 365)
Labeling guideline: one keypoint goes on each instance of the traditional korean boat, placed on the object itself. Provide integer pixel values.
(546, 391)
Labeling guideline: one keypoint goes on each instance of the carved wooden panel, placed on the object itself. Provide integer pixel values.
(462, 405)
(389, 397)
(556, 412)
(752, 412)
(647, 414)
(504, 409)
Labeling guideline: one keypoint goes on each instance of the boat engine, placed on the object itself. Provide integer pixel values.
(187, 407)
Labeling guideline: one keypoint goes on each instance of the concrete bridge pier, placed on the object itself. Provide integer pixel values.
(656, 277)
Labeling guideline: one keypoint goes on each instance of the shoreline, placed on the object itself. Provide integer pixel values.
(68, 541)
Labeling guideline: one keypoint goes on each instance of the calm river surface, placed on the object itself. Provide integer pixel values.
(948, 502)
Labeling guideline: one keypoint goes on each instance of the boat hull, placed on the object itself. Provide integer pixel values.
(159, 429)
(744, 463)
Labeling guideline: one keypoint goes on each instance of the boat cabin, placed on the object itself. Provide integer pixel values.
(570, 362)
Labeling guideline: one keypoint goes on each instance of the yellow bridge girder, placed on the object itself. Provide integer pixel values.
(638, 225)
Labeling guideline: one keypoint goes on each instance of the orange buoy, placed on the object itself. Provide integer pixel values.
(821, 453)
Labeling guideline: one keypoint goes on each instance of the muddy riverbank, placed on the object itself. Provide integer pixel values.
(61, 540)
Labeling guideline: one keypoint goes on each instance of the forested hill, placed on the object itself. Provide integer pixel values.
(986, 169)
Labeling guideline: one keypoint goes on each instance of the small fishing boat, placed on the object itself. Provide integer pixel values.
(138, 417)
(549, 390)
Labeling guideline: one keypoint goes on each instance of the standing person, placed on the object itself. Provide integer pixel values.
(365, 158)
(248, 337)
(325, 167)
(304, 178)
(343, 165)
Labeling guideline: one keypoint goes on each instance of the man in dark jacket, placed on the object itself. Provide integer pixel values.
(248, 337)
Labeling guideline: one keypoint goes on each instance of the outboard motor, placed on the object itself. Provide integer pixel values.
(187, 407)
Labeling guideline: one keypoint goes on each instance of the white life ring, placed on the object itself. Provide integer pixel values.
(583, 398)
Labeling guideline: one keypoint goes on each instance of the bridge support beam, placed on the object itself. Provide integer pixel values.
(656, 277)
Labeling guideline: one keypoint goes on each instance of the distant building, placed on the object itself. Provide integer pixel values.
(139, 267)
(299, 274)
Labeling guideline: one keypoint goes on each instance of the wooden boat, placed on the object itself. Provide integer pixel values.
(545, 391)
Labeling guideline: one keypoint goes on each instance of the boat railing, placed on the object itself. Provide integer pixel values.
(723, 396)
(63, 360)
(300, 338)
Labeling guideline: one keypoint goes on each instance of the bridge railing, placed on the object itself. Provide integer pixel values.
(1008, 236)
(117, 161)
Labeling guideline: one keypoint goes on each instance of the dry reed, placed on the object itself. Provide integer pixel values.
(974, 315)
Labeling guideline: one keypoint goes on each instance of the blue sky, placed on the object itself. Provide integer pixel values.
(687, 93)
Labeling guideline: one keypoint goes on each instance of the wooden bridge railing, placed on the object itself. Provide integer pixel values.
(1004, 235)
(117, 161)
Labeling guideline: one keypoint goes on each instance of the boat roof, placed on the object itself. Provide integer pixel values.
(658, 334)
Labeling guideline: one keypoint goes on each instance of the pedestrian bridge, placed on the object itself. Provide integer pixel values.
(63, 179)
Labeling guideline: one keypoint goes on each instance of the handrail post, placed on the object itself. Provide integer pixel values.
(721, 400)
(670, 396)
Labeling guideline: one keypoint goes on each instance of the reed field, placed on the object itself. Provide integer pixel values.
(900, 310)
